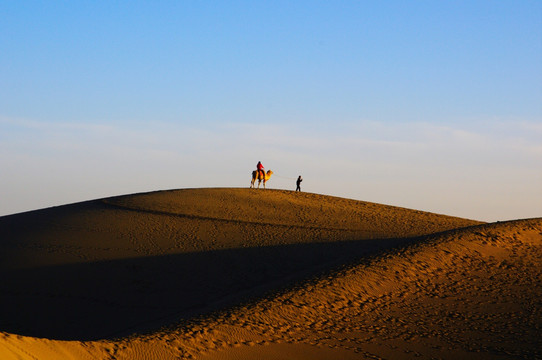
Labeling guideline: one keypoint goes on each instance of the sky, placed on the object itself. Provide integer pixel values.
(429, 105)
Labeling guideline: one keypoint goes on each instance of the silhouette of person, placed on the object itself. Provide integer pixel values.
(298, 182)
(261, 170)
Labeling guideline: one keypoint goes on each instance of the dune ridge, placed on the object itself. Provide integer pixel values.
(322, 278)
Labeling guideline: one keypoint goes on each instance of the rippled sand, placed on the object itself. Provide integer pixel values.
(239, 273)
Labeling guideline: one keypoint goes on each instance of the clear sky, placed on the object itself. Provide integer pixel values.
(431, 105)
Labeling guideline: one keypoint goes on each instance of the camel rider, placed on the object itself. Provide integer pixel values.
(261, 169)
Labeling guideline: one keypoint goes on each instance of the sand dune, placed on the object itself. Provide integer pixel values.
(206, 274)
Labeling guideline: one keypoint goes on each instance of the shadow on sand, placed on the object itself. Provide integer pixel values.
(110, 299)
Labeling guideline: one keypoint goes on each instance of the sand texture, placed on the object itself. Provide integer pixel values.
(254, 274)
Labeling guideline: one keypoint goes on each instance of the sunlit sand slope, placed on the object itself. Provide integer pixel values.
(472, 293)
(108, 268)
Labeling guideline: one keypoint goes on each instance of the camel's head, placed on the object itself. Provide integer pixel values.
(269, 172)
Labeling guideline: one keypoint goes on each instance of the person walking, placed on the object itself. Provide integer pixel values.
(298, 182)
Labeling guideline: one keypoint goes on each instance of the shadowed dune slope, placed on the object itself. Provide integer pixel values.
(115, 266)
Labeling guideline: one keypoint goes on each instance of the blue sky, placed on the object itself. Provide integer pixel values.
(433, 105)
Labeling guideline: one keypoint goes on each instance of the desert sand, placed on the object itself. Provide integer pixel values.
(265, 274)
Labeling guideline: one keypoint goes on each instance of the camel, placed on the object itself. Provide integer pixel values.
(256, 175)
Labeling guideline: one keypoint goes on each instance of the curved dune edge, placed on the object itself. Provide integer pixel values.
(195, 220)
(471, 293)
(290, 210)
